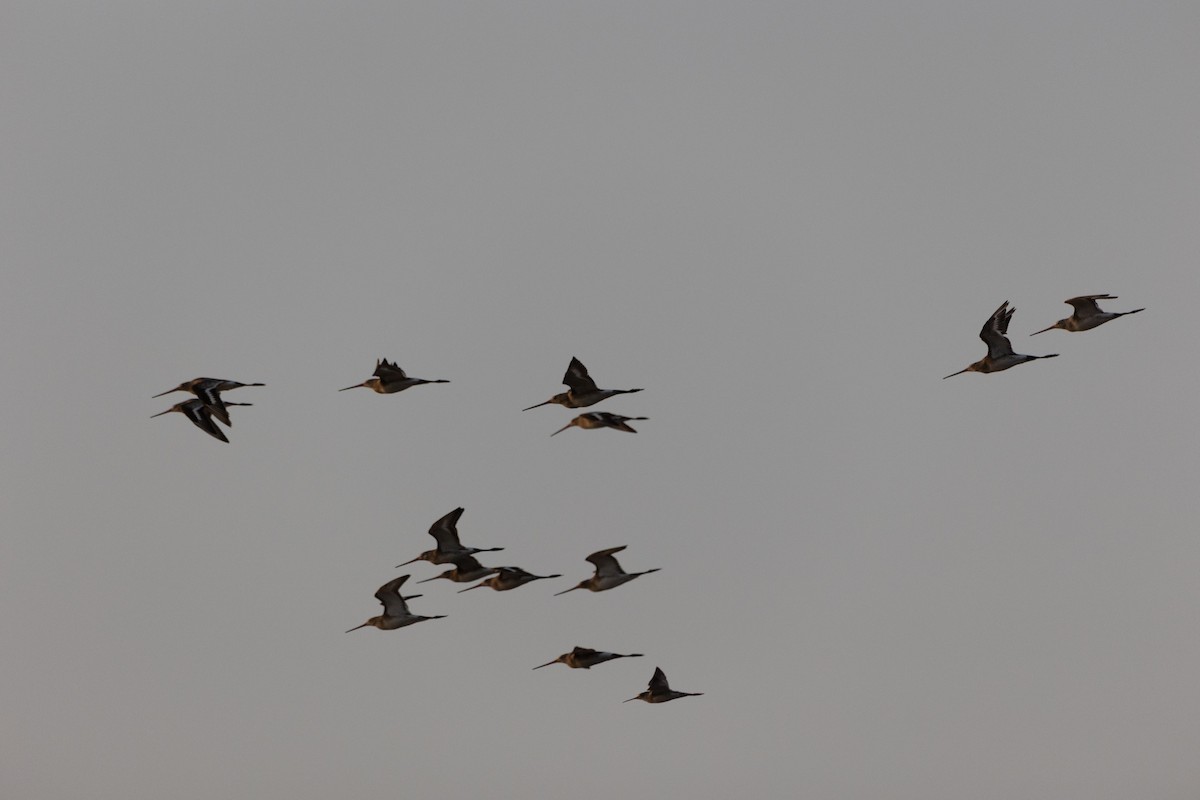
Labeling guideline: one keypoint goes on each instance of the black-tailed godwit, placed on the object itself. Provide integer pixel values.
(609, 574)
(1000, 353)
(583, 391)
(508, 578)
(660, 691)
(466, 569)
(586, 658)
(201, 414)
(449, 549)
(600, 419)
(388, 378)
(395, 609)
(1087, 314)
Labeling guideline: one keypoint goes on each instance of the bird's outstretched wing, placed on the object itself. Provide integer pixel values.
(388, 371)
(445, 531)
(389, 596)
(605, 563)
(1085, 305)
(994, 330)
(578, 379)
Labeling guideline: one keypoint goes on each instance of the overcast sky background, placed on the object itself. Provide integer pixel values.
(787, 221)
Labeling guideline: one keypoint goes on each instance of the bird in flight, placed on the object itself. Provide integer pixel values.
(582, 391)
(1000, 353)
(508, 578)
(600, 419)
(388, 378)
(395, 608)
(1087, 314)
(660, 691)
(586, 658)
(201, 414)
(609, 574)
(449, 549)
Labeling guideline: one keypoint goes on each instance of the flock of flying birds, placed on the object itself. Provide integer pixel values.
(208, 406)
(1000, 354)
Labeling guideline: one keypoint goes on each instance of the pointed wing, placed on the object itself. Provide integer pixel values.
(389, 596)
(388, 372)
(994, 330)
(616, 421)
(659, 682)
(606, 565)
(201, 417)
(578, 379)
(221, 413)
(211, 395)
(445, 531)
(584, 652)
(1085, 305)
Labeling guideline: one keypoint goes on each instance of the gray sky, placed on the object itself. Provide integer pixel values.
(786, 221)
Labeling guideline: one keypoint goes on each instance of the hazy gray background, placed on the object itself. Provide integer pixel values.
(787, 221)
